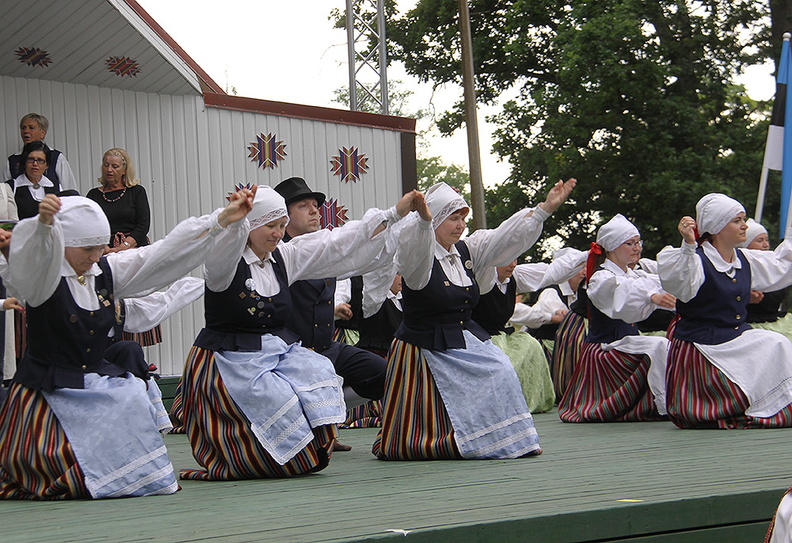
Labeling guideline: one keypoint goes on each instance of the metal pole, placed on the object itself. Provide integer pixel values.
(760, 198)
(350, 28)
(474, 157)
(383, 57)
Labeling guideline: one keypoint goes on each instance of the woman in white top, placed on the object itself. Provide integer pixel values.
(449, 391)
(620, 374)
(721, 372)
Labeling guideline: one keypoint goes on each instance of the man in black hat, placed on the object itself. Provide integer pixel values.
(313, 312)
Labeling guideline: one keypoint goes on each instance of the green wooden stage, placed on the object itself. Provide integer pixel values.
(636, 482)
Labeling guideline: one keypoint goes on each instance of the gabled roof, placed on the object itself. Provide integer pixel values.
(105, 43)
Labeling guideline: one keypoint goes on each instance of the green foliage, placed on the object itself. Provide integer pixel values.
(634, 98)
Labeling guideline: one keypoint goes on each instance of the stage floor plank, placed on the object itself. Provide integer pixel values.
(642, 482)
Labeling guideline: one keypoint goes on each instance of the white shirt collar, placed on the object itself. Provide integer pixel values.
(67, 271)
(23, 181)
(717, 260)
(611, 266)
(441, 253)
(251, 258)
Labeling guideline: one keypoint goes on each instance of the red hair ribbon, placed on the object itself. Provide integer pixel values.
(594, 249)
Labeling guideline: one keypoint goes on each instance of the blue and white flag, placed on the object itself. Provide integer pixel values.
(778, 149)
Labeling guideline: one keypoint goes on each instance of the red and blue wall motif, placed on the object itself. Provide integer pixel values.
(33, 56)
(267, 151)
(349, 164)
(332, 214)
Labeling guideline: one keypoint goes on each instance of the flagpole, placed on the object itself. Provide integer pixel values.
(760, 198)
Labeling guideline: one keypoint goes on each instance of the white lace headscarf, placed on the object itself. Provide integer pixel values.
(268, 206)
(754, 229)
(83, 222)
(615, 232)
(443, 201)
(714, 211)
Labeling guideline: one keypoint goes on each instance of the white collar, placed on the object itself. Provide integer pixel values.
(614, 268)
(717, 260)
(441, 253)
(566, 290)
(23, 181)
(251, 257)
(67, 271)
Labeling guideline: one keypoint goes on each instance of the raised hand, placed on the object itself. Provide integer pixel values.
(558, 194)
(687, 227)
(419, 205)
(48, 207)
(239, 205)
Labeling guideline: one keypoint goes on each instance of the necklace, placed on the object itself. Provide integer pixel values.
(111, 200)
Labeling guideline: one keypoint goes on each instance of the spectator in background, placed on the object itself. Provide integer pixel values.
(32, 184)
(123, 200)
(33, 127)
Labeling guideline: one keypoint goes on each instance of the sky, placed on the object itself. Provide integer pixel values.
(290, 52)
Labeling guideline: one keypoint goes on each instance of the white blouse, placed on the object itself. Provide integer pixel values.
(342, 252)
(623, 295)
(37, 262)
(682, 272)
(488, 248)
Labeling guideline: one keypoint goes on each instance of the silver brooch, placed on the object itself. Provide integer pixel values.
(250, 284)
(469, 264)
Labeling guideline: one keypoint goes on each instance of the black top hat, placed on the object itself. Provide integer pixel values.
(294, 189)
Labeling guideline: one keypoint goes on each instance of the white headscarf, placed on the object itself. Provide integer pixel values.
(754, 229)
(83, 222)
(615, 232)
(714, 211)
(268, 206)
(443, 201)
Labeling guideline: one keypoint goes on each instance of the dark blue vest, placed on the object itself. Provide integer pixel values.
(436, 315)
(494, 309)
(313, 313)
(65, 341)
(27, 206)
(376, 331)
(717, 313)
(237, 317)
(17, 168)
(603, 329)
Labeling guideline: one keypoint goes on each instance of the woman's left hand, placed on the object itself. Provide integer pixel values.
(239, 205)
(558, 194)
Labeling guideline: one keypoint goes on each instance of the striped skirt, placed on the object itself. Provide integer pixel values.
(609, 386)
(36, 460)
(145, 339)
(220, 434)
(177, 410)
(699, 395)
(566, 352)
(415, 424)
(368, 415)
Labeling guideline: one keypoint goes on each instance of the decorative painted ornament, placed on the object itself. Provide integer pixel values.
(267, 151)
(349, 164)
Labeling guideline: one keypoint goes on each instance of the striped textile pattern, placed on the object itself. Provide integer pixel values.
(368, 415)
(36, 460)
(177, 410)
(566, 352)
(220, 434)
(608, 386)
(145, 339)
(415, 424)
(699, 395)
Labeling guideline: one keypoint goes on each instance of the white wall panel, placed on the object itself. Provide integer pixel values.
(189, 156)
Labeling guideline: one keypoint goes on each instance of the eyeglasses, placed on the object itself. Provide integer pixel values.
(34, 160)
(633, 244)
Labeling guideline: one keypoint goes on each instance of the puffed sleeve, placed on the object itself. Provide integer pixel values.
(174, 256)
(514, 236)
(680, 270)
(341, 252)
(770, 270)
(35, 258)
(148, 311)
(415, 254)
(624, 297)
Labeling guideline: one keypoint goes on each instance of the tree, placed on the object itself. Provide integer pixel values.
(635, 98)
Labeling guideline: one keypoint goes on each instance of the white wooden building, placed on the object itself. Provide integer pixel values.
(106, 75)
